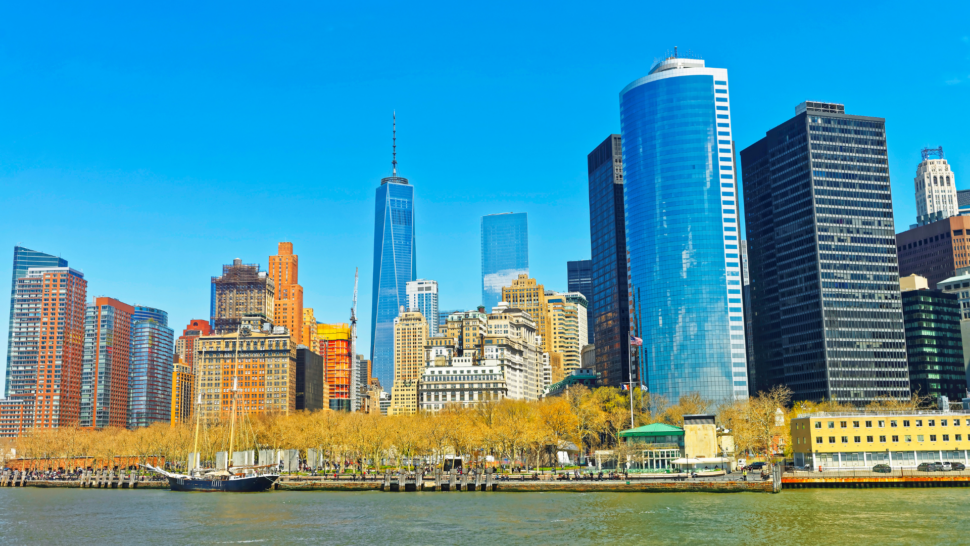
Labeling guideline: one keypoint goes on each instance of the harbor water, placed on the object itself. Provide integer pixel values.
(844, 517)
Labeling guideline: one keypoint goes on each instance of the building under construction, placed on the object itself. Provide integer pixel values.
(242, 290)
(334, 346)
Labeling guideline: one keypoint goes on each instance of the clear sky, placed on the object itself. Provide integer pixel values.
(151, 144)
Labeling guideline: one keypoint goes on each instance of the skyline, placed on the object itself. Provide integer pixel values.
(150, 178)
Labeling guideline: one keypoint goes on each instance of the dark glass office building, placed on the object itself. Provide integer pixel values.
(828, 320)
(934, 346)
(682, 231)
(150, 371)
(609, 305)
(309, 380)
(579, 278)
(24, 259)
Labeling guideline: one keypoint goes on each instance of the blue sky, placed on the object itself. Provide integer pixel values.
(151, 144)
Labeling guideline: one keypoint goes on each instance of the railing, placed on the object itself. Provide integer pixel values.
(877, 413)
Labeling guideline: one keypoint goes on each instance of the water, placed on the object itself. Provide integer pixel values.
(831, 516)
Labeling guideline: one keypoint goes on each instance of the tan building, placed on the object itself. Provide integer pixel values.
(913, 282)
(410, 335)
(512, 344)
(863, 439)
(284, 269)
(260, 359)
(467, 329)
(567, 332)
(183, 384)
(310, 338)
(242, 291)
(530, 296)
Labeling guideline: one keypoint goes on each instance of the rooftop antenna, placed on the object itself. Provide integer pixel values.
(927, 152)
(675, 52)
(394, 143)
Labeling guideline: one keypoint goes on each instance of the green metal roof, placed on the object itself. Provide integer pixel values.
(654, 429)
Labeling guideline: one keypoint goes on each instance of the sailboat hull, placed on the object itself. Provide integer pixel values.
(253, 484)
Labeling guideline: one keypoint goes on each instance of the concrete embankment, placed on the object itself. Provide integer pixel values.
(872, 482)
(577, 486)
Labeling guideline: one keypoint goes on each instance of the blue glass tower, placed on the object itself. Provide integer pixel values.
(24, 259)
(682, 231)
(150, 371)
(505, 253)
(394, 266)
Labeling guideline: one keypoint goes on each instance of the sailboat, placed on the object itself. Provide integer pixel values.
(233, 479)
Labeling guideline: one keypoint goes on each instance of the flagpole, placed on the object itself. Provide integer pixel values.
(629, 369)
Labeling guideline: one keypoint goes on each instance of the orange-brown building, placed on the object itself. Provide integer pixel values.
(333, 344)
(46, 350)
(284, 269)
(936, 250)
(107, 356)
(183, 383)
(185, 345)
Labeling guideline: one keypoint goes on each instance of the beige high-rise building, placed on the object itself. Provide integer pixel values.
(410, 335)
(259, 359)
(567, 333)
(936, 189)
(512, 344)
(467, 329)
(530, 296)
(242, 290)
(284, 269)
(310, 337)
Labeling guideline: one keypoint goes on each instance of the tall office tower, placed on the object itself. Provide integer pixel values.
(610, 302)
(934, 347)
(333, 344)
(394, 265)
(960, 286)
(423, 296)
(936, 188)
(579, 278)
(259, 360)
(963, 201)
(107, 362)
(567, 328)
(185, 344)
(359, 375)
(183, 399)
(309, 328)
(284, 269)
(505, 253)
(410, 335)
(828, 320)
(242, 290)
(24, 259)
(47, 345)
(682, 231)
(311, 389)
(530, 296)
(150, 373)
(936, 250)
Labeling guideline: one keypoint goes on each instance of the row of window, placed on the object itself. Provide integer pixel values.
(882, 439)
(892, 423)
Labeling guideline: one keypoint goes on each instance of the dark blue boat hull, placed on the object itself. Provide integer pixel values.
(243, 485)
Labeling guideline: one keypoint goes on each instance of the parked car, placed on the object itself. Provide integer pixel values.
(755, 466)
(884, 468)
(958, 467)
(945, 467)
(931, 467)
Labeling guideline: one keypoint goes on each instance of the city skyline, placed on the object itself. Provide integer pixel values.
(55, 143)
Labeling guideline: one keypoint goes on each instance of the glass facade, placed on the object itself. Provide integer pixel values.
(23, 259)
(934, 346)
(394, 266)
(505, 253)
(150, 373)
(579, 278)
(423, 296)
(682, 231)
(822, 259)
(609, 302)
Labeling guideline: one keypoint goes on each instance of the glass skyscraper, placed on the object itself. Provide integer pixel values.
(24, 259)
(682, 231)
(394, 266)
(150, 372)
(828, 320)
(609, 304)
(423, 296)
(505, 253)
(579, 278)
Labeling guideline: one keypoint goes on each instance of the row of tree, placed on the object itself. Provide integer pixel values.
(515, 431)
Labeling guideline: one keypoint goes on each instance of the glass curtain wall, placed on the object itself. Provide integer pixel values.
(505, 253)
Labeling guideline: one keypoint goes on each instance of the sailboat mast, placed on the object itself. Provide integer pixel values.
(195, 447)
(232, 423)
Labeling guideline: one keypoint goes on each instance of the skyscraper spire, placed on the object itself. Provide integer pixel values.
(394, 143)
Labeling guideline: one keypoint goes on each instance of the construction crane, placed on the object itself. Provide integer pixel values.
(353, 345)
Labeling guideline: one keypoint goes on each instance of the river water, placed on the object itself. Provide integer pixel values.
(831, 516)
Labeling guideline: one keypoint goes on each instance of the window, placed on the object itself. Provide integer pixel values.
(818, 440)
(919, 437)
(831, 424)
(855, 424)
(932, 437)
(869, 439)
(958, 437)
(818, 424)
(883, 438)
(831, 439)
(905, 422)
(882, 424)
(845, 439)
(843, 424)
(931, 423)
(868, 424)
(942, 422)
(946, 437)
(892, 423)
(908, 438)
(919, 422)
(857, 439)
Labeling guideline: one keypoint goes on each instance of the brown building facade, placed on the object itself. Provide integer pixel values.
(185, 344)
(936, 250)
(284, 269)
(107, 358)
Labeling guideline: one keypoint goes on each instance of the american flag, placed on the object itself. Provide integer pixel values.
(635, 341)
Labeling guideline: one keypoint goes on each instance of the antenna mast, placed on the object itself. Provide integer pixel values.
(393, 152)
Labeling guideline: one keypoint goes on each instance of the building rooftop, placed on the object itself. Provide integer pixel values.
(654, 429)
(820, 107)
(880, 413)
